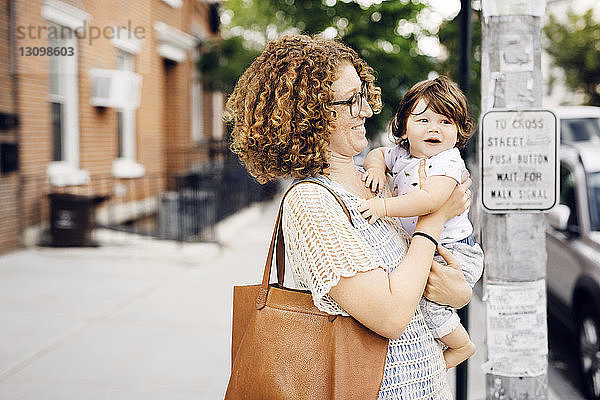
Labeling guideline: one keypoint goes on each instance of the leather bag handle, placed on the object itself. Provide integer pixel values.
(277, 241)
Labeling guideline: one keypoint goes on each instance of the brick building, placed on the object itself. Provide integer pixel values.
(9, 179)
(117, 113)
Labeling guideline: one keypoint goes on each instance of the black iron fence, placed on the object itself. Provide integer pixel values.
(183, 207)
(204, 196)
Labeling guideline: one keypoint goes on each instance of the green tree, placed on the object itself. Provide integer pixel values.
(222, 62)
(384, 34)
(574, 46)
(449, 39)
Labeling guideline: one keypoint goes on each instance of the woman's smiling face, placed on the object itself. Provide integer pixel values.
(349, 138)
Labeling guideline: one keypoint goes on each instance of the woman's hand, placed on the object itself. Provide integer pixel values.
(446, 284)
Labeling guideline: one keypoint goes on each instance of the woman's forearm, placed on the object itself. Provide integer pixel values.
(384, 302)
(408, 280)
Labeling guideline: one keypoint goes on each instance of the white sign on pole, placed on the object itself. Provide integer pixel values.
(517, 341)
(519, 160)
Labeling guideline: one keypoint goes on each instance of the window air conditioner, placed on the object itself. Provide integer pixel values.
(115, 88)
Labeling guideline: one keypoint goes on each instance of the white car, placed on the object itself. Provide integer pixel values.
(573, 239)
(578, 124)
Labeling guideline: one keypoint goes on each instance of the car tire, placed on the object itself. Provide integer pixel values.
(588, 340)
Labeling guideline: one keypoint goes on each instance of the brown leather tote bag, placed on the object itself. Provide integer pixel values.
(283, 347)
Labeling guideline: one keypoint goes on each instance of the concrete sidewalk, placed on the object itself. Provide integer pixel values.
(140, 318)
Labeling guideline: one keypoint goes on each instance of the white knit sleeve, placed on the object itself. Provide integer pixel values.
(321, 244)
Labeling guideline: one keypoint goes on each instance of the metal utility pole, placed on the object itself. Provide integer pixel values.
(464, 73)
(517, 144)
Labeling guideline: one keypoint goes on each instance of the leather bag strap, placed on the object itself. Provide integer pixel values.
(277, 242)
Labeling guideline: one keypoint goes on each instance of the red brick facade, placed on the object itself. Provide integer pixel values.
(9, 181)
(163, 143)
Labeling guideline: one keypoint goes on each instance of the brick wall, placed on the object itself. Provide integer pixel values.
(10, 227)
(35, 139)
(162, 121)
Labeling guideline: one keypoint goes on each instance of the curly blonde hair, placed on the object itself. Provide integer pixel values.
(444, 97)
(281, 106)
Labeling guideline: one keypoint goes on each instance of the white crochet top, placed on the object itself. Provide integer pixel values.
(322, 246)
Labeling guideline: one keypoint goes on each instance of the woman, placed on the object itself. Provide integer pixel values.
(299, 111)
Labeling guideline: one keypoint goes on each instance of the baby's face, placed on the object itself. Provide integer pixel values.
(428, 132)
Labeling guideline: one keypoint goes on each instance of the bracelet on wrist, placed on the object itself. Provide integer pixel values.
(425, 235)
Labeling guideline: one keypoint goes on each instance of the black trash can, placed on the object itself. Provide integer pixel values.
(72, 219)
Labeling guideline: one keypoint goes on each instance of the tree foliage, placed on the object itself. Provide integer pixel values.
(574, 46)
(222, 62)
(449, 38)
(385, 35)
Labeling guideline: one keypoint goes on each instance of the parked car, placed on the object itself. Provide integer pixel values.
(573, 240)
(578, 124)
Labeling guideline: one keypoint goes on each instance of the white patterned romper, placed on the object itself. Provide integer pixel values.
(322, 246)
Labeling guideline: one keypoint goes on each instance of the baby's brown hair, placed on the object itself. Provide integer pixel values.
(444, 97)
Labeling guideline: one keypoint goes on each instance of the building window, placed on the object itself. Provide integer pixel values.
(63, 95)
(64, 109)
(125, 164)
(126, 117)
(196, 91)
(56, 99)
(63, 79)
(56, 110)
(218, 127)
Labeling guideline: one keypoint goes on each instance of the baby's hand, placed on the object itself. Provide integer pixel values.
(374, 179)
(373, 209)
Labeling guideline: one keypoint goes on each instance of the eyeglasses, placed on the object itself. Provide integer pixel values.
(355, 102)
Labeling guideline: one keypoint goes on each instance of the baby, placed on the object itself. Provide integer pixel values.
(432, 122)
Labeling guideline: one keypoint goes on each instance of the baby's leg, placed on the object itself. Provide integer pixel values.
(459, 345)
